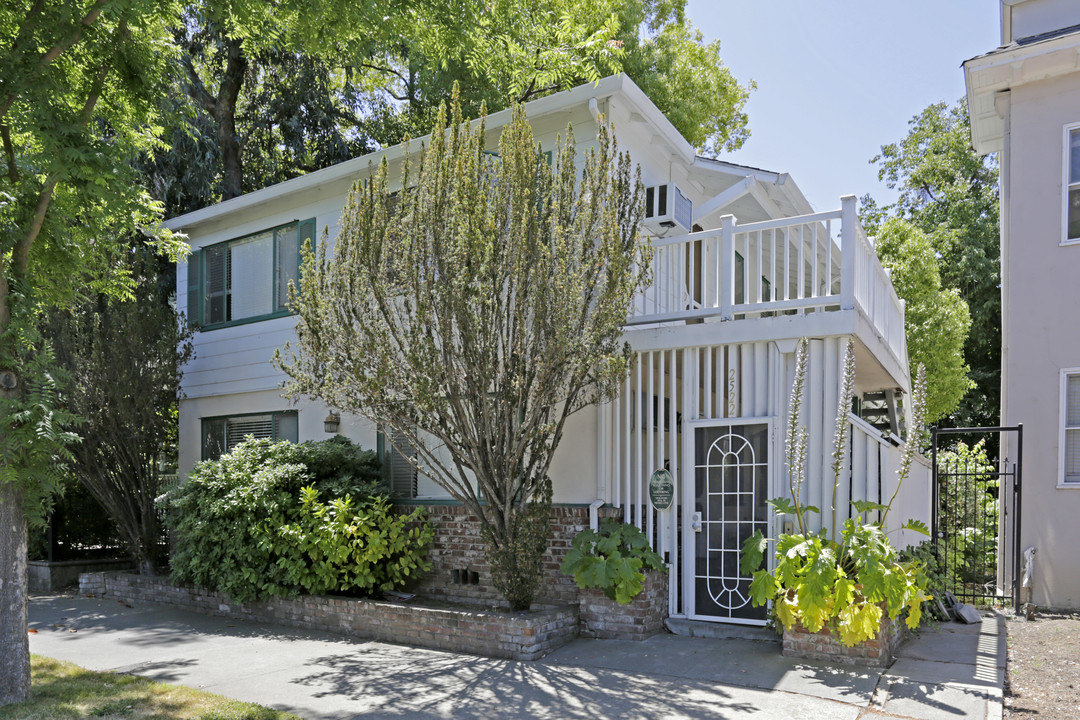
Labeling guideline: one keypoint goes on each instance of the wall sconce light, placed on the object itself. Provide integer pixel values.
(330, 424)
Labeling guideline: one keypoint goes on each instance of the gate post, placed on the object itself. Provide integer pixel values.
(934, 488)
(1017, 478)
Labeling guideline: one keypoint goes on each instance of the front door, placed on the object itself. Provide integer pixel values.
(731, 480)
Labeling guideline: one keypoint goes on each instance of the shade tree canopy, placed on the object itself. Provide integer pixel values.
(950, 194)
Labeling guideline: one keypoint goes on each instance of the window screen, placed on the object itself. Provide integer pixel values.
(1073, 191)
(1072, 428)
(249, 277)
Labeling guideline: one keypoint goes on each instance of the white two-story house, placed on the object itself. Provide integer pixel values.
(1024, 99)
(743, 267)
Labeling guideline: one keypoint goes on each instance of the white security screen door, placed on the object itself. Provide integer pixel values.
(731, 476)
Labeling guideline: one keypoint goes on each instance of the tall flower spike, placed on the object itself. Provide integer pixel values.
(916, 430)
(843, 407)
(795, 445)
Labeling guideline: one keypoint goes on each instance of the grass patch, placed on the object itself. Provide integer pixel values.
(61, 691)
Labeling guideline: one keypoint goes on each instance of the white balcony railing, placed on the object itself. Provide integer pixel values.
(810, 263)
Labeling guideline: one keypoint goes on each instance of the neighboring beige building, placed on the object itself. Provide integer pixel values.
(1024, 99)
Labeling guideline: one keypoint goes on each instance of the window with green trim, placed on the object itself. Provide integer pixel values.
(246, 279)
(221, 434)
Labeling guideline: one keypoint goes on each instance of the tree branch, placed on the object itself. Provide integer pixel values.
(399, 76)
(50, 55)
(26, 28)
(21, 253)
(233, 80)
(9, 151)
(196, 89)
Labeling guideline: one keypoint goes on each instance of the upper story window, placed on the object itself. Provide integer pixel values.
(246, 279)
(1070, 428)
(1072, 184)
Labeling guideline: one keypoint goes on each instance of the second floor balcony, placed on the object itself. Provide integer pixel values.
(794, 266)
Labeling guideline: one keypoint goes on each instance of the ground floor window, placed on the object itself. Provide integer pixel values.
(221, 434)
(1070, 426)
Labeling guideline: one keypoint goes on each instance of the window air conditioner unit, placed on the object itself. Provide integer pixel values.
(667, 209)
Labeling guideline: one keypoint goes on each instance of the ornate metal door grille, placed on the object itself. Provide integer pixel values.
(731, 475)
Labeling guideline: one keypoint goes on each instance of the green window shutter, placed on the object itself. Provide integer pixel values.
(307, 234)
(194, 293)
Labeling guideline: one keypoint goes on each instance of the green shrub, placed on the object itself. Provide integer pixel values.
(348, 546)
(517, 558)
(340, 467)
(612, 560)
(925, 554)
(252, 524)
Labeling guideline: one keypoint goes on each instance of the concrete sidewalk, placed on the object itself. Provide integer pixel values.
(949, 672)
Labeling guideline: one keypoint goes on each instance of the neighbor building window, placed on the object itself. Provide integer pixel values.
(1070, 430)
(221, 434)
(247, 278)
(1072, 185)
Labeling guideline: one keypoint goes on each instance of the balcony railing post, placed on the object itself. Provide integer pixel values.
(848, 249)
(727, 266)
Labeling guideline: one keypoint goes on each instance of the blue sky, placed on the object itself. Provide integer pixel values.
(837, 79)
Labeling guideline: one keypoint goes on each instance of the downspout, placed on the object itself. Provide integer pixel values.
(594, 514)
(1003, 105)
(594, 109)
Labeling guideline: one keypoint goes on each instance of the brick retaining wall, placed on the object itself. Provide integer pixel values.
(604, 618)
(460, 572)
(492, 633)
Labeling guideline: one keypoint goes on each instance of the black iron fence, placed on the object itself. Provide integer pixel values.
(976, 527)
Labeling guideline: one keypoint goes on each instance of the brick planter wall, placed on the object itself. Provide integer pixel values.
(517, 636)
(823, 645)
(604, 618)
(460, 572)
(45, 576)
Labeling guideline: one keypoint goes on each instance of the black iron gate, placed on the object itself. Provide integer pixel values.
(976, 503)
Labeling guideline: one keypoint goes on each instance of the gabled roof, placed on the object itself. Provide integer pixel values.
(620, 84)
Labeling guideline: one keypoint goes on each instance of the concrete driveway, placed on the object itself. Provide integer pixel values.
(951, 672)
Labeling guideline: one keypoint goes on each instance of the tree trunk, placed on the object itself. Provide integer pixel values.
(232, 168)
(14, 641)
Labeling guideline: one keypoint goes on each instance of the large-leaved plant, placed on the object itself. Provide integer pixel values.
(847, 583)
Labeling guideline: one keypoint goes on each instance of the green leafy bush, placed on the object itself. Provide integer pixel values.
(846, 584)
(340, 467)
(970, 528)
(345, 545)
(925, 553)
(253, 525)
(516, 556)
(612, 560)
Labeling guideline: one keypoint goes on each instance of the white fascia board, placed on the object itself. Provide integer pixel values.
(987, 75)
(780, 182)
(642, 104)
(740, 171)
(774, 329)
(354, 167)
